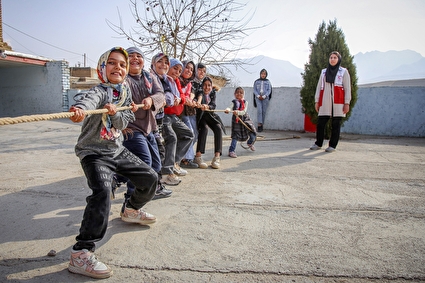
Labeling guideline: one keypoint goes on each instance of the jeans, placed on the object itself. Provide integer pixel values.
(262, 106)
(190, 121)
(178, 138)
(146, 148)
(234, 142)
(99, 171)
(335, 131)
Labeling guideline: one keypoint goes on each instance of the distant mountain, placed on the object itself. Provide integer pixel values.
(371, 67)
(379, 66)
(281, 73)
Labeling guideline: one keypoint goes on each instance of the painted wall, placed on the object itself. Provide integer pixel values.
(32, 89)
(388, 111)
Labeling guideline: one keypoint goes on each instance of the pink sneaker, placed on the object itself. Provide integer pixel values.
(85, 262)
(232, 154)
(137, 216)
(251, 147)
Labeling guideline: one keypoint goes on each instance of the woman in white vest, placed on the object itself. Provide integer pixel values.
(332, 100)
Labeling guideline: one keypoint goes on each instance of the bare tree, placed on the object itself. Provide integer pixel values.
(201, 30)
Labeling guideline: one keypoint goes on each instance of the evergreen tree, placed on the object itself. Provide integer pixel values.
(328, 38)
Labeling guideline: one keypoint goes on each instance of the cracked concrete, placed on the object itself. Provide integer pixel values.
(280, 214)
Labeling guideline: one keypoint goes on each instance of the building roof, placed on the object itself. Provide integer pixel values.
(16, 59)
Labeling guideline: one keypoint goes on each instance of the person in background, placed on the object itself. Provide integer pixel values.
(242, 127)
(188, 115)
(262, 96)
(177, 136)
(332, 100)
(207, 118)
(102, 154)
(139, 137)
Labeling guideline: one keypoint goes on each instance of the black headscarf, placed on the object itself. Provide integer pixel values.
(264, 70)
(331, 71)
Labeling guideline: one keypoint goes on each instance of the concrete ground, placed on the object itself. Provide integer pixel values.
(283, 213)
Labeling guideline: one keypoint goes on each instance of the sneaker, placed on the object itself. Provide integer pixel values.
(232, 154)
(315, 147)
(187, 163)
(251, 147)
(178, 170)
(162, 192)
(215, 163)
(170, 179)
(137, 216)
(198, 160)
(85, 262)
(330, 149)
(260, 128)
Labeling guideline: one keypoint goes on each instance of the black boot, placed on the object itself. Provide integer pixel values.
(260, 128)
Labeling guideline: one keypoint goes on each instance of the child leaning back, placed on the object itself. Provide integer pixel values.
(101, 153)
(242, 126)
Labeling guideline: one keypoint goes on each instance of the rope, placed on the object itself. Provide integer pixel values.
(213, 110)
(61, 115)
(237, 118)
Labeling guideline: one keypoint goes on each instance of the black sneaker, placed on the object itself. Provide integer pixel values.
(189, 164)
(162, 192)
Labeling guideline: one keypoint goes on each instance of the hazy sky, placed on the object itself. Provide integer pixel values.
(79, 26)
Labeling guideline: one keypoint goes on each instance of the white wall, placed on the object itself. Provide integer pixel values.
(284, 112)
(388, 111)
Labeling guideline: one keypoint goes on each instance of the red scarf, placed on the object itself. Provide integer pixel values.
(179, 87)
(241, 105)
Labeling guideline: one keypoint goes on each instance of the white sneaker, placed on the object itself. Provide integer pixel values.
(330, 149)
(137, 216)
(170, 179)
(85, 262)
(178, 170)
(315, 147)
(198, 160)
(215, 163)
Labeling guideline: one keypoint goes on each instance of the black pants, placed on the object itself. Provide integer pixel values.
(335, 131)
(208, 121)
(99, 171)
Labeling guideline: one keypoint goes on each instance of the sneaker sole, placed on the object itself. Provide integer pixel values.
(189, 166)
(161, 196)
(78, 270)
(138, 221)
(171, 184)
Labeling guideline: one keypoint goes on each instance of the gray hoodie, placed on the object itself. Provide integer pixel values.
(90, 141)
